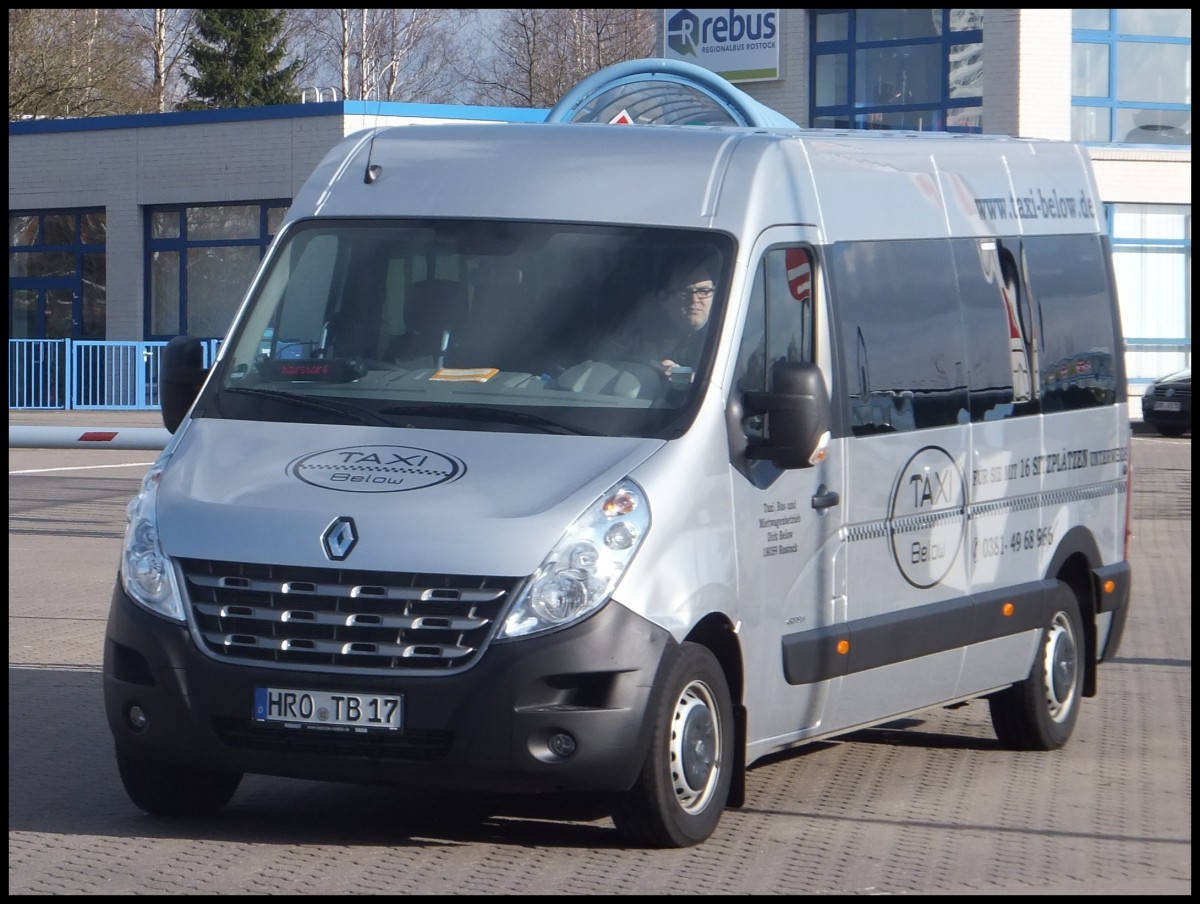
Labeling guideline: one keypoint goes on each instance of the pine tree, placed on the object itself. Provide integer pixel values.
(236, 54)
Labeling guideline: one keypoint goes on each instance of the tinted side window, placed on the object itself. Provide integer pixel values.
(901, 334)
(1079, 355)
(1000, 334)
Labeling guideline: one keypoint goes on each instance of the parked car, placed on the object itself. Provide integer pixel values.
(1167, 403)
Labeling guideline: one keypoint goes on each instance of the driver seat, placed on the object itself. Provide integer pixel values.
(434, 311)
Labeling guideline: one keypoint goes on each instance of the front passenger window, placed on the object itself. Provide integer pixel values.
(779, 323)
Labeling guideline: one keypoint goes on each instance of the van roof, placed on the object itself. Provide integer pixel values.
(850, 185)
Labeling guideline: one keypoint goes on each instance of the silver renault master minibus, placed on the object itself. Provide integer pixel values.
(610, 459)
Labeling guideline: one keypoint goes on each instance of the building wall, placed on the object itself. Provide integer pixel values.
(123, 169)
(262, 155)
(1001, 71)
(1043, 88)
(1143, 177)
(788, 94)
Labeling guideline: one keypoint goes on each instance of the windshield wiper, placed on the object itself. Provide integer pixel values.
(487, 413)
(361, 413)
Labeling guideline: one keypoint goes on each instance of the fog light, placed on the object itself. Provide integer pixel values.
(138, 718)
(561, 744)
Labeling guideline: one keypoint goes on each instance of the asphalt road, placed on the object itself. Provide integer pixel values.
(928, 805)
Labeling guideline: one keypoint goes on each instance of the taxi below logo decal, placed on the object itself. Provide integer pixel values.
(377, 469)
(927, 516)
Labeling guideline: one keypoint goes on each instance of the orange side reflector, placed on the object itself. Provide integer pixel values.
(1008, 609)
(1110, 586)
(843, 647)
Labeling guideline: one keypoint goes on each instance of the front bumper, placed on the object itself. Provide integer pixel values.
(1181, 419)
(482, 729)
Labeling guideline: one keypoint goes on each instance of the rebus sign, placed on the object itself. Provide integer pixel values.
(741, 45)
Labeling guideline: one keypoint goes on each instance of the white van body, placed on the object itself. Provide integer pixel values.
(476, 575)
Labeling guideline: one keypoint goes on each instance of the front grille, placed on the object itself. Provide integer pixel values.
(339, 620)
(1172, 391)
(409, 745)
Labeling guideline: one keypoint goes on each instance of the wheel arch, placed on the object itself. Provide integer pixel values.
(718, 633)
(1074, 558)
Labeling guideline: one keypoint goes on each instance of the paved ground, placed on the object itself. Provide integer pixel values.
(926, 805)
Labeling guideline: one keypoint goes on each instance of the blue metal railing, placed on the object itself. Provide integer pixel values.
(79, 374)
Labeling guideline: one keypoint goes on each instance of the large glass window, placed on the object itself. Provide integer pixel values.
(57, 284)
(1152, 258)
(1131, 76)
(23, 316)
(897, 69)
(200, 261)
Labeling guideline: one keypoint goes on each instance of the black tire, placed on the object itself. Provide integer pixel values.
(163, 790)
(681, 792)
(1039, 713)
(1171, 430)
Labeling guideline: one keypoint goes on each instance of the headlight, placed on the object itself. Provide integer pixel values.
(579, 574)
(146, 573)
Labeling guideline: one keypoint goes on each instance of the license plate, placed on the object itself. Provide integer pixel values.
(1166, 406)
(331, 710)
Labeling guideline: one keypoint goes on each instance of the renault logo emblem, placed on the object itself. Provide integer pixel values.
(339, 538)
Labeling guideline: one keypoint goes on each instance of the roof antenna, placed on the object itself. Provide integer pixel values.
(374, 169)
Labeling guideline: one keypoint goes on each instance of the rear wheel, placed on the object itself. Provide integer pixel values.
(1039, 713)
(684, 783)
(163, 790)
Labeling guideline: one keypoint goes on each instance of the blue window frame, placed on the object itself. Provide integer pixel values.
(915, 69)
(1131, 76)
(57, 283)
(200, 260)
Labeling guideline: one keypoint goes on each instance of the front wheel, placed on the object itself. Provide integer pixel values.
(684, 783)
(1039, 713)
(163, 790)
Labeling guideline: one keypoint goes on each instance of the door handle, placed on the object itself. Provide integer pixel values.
(824, 498)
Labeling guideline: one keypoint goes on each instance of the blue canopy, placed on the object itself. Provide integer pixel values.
(664, 92)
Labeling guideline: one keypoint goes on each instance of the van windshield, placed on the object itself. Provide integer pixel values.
(480, 325)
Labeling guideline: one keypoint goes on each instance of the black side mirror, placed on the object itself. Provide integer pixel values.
(798, 415)
(181, 375)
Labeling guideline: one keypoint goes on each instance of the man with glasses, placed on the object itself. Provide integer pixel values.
(667, 334)
(688, 296)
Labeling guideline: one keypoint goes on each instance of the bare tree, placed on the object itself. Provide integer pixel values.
(384, 54)
(536, 55)
(161, 35)
(77, 62)
(71, 62)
